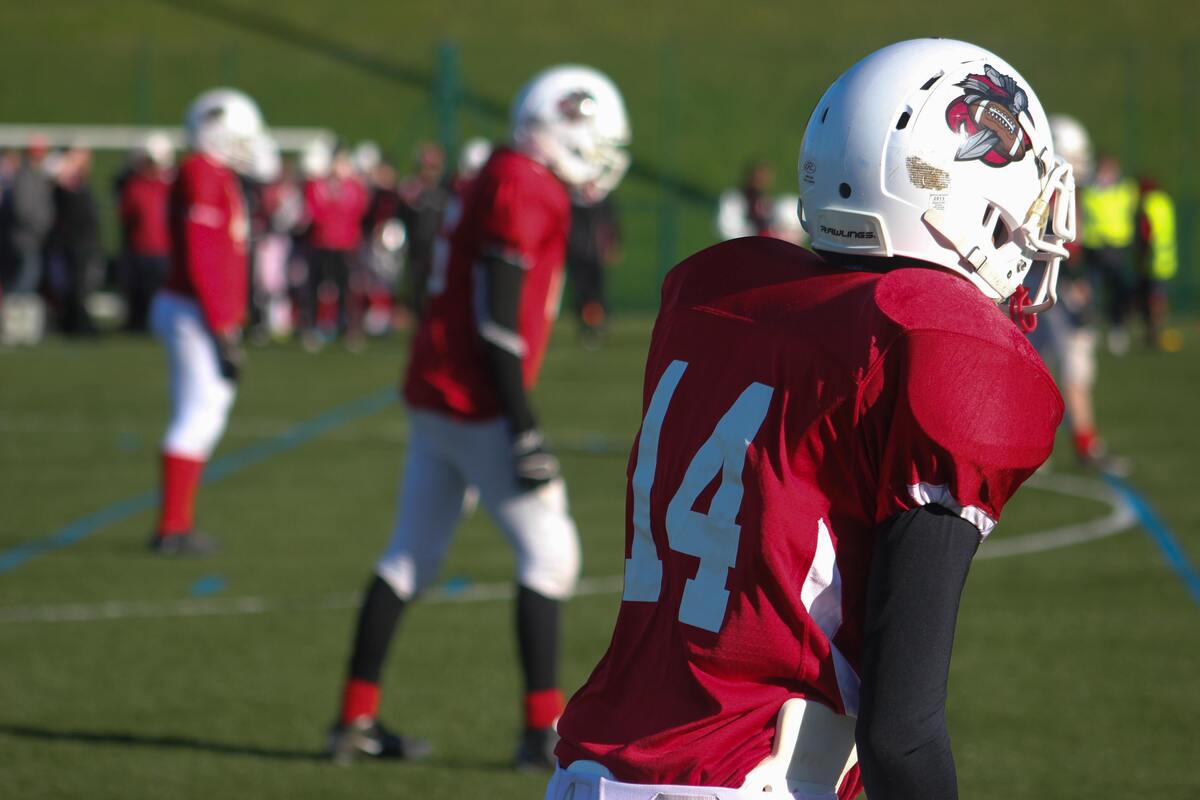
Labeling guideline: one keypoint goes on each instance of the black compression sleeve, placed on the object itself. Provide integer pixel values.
(917, 575)
(497, 302)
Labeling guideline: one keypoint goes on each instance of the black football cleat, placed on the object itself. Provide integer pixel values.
(365, 737)
(192, 543)
(535, 751)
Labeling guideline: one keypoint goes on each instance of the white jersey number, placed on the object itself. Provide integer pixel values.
(711, 537)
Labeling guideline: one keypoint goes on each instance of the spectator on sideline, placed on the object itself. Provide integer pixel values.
(28, 218)
(592, 245)
(335, 206)
(384, 241)
(747, 210)
(423, 200)
(75, 241)
(1108, 205)
(279, 212)
(146, 236)
(1156, 258)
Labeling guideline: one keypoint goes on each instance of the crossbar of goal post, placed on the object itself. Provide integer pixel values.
(126, 137)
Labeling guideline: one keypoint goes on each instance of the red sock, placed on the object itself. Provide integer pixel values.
(1085, 440)
(180, 479)
(543, 708)
(360, 699)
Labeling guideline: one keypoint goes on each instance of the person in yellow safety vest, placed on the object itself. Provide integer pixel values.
(1157, 256)
(1109, 206)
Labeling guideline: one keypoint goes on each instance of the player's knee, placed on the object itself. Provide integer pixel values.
(400, 573)
(197, 428)
(551, 567)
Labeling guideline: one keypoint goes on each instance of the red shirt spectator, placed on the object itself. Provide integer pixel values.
(336, 207)
(144, 201)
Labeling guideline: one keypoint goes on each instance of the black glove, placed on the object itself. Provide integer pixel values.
(534, 464)
(229, 356)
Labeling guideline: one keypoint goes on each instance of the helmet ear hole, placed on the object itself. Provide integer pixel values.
(1000, 234)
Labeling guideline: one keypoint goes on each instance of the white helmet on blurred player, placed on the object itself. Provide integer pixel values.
(225, 124)
(156, 147)
(572, 119)
(474, 154)
(938, 150)
(1071, 141)
(316, 159)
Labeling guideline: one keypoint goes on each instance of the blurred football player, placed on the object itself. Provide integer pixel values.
(198, 314)
(1067, 339)
(826, 441)
(492, 294)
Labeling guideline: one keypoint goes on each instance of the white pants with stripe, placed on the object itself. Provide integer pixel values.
(200, 396)
(447, 457)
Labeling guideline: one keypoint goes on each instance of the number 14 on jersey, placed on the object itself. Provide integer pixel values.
(711, 537)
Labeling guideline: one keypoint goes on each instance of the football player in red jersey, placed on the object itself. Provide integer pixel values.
(492, 294)
(198, 314)
(827, 439)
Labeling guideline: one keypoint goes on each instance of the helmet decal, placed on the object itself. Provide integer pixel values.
(577, 105)
(988, 116)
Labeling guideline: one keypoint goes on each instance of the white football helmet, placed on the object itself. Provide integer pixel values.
(225, 124)
(316, 159)
(939, 151)
(473, 156)
(1071, 141)
(157, 147)
(572, 119)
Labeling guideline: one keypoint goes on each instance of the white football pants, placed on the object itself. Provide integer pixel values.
(446, 456)
(200, 396)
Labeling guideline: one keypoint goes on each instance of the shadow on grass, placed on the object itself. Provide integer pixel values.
(120, 739)
(278, 27)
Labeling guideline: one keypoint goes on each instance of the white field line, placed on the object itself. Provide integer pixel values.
(1120, 518)
(248, 606)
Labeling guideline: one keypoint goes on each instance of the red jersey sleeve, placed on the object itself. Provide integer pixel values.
(210, 244)
(955, 420)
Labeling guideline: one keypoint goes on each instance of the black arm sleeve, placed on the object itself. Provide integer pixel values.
(917, 575)
(497, 301)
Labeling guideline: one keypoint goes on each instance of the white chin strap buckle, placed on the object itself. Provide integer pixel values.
(1002, 269)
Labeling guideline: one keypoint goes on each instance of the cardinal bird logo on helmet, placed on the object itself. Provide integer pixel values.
(988, 116)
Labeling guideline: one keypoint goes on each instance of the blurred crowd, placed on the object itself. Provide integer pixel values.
(342, 243)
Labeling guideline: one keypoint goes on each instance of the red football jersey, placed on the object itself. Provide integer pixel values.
(791, 407)
(516, 207)
(208, 241)
(144, 203)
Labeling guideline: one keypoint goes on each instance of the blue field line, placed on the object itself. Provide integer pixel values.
(1172, 551)
(222, 467)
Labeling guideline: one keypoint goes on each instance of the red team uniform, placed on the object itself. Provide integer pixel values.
(516, 206)
(204, 296)
(208, 241)
(792, 407)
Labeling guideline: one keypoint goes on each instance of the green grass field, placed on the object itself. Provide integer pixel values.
(1075, 672)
